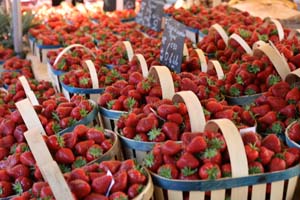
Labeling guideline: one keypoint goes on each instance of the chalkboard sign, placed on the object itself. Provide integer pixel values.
(150, 14)
(111, 5)
(171, 52)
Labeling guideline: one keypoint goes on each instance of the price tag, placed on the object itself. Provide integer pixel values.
(151, 14)
(172, 45)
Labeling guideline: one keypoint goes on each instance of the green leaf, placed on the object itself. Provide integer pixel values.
(239, 80)
(244, 33)
(263, 37)
(253, 69)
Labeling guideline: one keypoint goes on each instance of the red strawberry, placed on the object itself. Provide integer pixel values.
(164, 110)
(276, 103)
(226, 170)
(175, 117)
(64, 156)
(288, 111)
(272, 142)
(83, 146)
(277, 164)
(289, 158)
(261, 110)
(293, 96)
(170, 148)
(251, 138)
(214, 106)
(255, 168)
(168, 171)
(112, 166)
(80, 188)
(212, 155)
(265, 155)
(294, 132)
(280, 89)
(268, 118)
(146, 124)
(118, 195)
(136, 176)
(171, 130)
(197, 145)
(95, 134)
(187, 160)
(121, 179)
(189, 85)
(156, 135)
(251, 152)
(101, 184)
(210, 171)
(228, 114)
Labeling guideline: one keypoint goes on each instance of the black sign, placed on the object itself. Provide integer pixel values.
(171, 51)
(150, 14)
(111, 5)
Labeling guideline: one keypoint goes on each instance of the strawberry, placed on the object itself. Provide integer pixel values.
(112, 166)
(118, 195)
(209, 171)
(170, 148)
(212, 155)
(171, 130)
(277, 163)
(135, 190)
(261, 110)
(228, 114)
(226, 170)
(255, 168)
(64, 156)
(214, 106)
(288, 111)
(187, 160)
(276, 103)
(101, 184)
(146, 124)
(197, 145)
(268, 118)
(168, 171)
(80, 188)
(294, 132)
(289, 158)
(280, 89)
(251, 138)
(293, 96)
(121, 179)
(189, 85)
(272, 142)
(156, 135)
(175, 117)
(153, 162)
(265, 155)
(251, 152)
(164, 110)
(188, 174)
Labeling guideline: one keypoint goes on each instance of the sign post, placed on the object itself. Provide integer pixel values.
(17, 26)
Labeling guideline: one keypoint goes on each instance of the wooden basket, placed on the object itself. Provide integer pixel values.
(237, 186)
(278, 62)
(42, 51)
(138, 149)
(54, 74)
(110, 117)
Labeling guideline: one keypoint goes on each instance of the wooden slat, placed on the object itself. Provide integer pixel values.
(195, 195)
(240, 193)
(277, 190)
(29, 115)
(158, 193)
(218, 195)
(259, 192)
(140, 155)
(175, 195)
(291, 188)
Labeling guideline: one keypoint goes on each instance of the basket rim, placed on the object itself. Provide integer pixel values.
(224, 183)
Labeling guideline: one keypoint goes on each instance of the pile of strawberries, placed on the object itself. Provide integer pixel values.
(204, 155)
(77, 148)
(92, 182)
(156, 122)
(277, 108)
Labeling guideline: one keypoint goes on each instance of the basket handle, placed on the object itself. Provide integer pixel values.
(221, 32)
(293, 77)
(194, 107)
(202, 58)
(143, 64)
(242, 43)
(129, 49)
(94, 77)
(279, 28)
(29, 93)
(277, 60)
(163, 75)
(217, 66)
(235, 146)
(185, 51)
(65, 50)
(29, 115)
